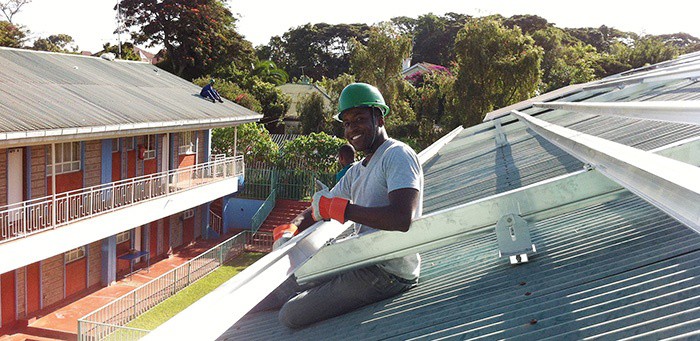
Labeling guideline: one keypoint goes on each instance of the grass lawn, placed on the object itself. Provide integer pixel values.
(183, 299)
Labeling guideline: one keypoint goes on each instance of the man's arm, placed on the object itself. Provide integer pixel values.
(397, 216)
(403, 203)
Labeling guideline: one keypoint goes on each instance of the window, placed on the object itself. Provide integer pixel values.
(115, 145)
(150, 144)
(188, 214)
(67, 158)
(123, 237)
(129, 143)
(74, 255)
(187, 142)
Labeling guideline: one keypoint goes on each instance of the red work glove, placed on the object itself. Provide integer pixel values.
(282, 234)
(279, 231)
(326, 206)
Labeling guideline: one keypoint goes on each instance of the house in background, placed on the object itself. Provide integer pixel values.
(297, 91)
(148, 57)
(103, 164)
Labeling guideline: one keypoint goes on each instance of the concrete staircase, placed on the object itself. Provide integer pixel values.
(283, 213)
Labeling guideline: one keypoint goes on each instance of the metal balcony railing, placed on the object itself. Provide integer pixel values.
(33, 216)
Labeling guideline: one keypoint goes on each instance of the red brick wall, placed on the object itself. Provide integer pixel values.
(66, 182)
(52, 280)
(21, 292)
(38, 173)
(95, 263)
(93, 163)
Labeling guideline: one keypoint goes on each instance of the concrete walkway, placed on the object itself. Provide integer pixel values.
(61, 323)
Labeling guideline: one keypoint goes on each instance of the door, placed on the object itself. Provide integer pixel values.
(153, 239)
(15, 188)
(8, 299)
(33, 288)
(76, 276)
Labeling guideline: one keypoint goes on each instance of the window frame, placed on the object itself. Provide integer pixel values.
(150, 145)
(74, 255)
(63, 166)
(188, 142)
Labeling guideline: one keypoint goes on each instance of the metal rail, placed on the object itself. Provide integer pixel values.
(112, 320)
(233, 299)
(687, 112)
(670, 185)
(23, 219)
(534, 202)
(683, 72)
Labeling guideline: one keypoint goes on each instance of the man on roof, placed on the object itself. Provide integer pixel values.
(383, 191)
(210, 93)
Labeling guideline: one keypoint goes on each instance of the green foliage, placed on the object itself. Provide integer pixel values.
(274, 103)
(430, 103)
(11, 35)
(199, 36)
(565, 61)
(496, 67)
(127, 51)
(650, 50)
(313, 114)
(231, 91)
(269, 72)
(317, 150)
(56, 43)
(315, 50)
(254, 143)
(433, 36)
(379, 63)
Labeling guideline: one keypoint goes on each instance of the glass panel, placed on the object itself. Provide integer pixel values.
(76, 151)
(66, 153)
(115, 145)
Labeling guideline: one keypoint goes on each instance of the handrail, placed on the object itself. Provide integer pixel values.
(37, 215)
(264, 211)
(114, 316)
(216, 222)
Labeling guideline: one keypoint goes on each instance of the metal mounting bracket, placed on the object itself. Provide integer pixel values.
(513, 235)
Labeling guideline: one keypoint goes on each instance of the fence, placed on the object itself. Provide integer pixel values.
(32, 216)
(111, 321)
(289, 184)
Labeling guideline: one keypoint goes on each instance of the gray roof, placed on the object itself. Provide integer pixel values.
(614, 268)
(52, 96)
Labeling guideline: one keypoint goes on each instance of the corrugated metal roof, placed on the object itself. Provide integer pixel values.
(611, 270)
(614, 270)
(48, 91)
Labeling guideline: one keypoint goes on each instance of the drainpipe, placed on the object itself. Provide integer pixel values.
(235, 141)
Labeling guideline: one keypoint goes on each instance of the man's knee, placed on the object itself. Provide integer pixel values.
(291, 317)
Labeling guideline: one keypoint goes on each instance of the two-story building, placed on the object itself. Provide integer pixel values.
(103, 164)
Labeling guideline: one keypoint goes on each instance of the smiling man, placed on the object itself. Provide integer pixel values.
(384, 191)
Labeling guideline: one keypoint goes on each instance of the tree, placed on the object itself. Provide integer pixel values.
(127, 50)
(430, 105)
(432, 36)
(232, 92)
(317, 152)
(254, 143)
(315, 50)
(269, 72)
(11, 35)
(198, 35)
(11, 7)
(313, 113)
(496, 67)
(379, 63)
(650, 50)
(527, 23)
(566, 60)
(56, 43)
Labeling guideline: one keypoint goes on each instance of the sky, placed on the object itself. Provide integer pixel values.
(91, 22)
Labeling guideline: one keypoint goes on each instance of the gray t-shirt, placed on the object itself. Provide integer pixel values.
(393, 166)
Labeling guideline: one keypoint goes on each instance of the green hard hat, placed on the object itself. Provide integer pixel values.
(360, 95)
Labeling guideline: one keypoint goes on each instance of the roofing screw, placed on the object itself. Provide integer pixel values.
(528, 293)
(533, 321)
(522, 283)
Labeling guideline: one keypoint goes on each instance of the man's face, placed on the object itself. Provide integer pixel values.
(359, 128)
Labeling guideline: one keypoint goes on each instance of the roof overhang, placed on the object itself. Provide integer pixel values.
(38, 137)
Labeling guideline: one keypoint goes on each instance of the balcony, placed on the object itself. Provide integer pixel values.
(89, 214)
